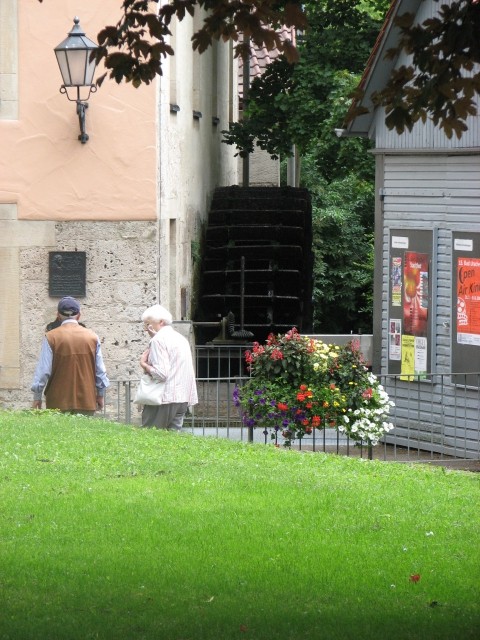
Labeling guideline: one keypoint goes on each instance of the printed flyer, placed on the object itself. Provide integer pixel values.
(395, 339)
(420, 357)
(396, 282)
(414, 358)
(468, 301)
(408, 358)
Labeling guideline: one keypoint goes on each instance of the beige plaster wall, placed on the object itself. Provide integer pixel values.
(193, 160)
(47, 171)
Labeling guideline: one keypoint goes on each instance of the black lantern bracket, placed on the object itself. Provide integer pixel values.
(82, 106)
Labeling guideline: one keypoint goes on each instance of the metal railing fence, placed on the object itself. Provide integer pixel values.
(435, 417)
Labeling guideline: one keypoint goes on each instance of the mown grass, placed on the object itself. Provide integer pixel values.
(113, 532)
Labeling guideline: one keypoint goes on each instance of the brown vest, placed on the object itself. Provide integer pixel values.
(71, 385)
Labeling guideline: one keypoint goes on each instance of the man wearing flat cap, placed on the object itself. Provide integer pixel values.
(70, 370)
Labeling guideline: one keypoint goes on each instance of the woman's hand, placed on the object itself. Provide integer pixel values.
(144, 362)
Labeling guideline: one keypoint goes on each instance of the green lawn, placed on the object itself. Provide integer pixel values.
(113, 532)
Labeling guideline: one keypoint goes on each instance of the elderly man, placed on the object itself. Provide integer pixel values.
(70, 369)
(168, 359)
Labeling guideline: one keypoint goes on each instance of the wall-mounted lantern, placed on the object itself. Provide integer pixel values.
(76, 59)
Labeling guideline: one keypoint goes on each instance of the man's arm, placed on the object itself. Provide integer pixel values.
(101, 378)
(42, 373)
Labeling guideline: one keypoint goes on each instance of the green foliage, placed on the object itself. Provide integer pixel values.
(266, 117)
(113, 532)
(294, 104)
(299, 384)
(343, 250)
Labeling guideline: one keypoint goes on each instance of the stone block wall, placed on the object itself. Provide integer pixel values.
(121, 273)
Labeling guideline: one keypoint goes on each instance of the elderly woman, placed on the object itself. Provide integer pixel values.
(168, 359)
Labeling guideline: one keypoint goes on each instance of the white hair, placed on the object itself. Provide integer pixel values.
(157, 313)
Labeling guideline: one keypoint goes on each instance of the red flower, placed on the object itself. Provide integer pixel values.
(276, 355)
(300, 396)
(309, 405)
(368, 393)
(308, 430)
(282, 406)
(303, 387)
(316, 421)
(305, 422)
(415, 577)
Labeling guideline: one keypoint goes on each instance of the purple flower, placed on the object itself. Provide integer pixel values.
(236, 396)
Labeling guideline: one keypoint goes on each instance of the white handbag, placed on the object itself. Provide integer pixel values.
(149, 391)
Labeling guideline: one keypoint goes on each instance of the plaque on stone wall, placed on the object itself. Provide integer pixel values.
(67, 273)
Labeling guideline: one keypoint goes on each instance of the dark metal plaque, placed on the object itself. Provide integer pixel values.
(67, 273)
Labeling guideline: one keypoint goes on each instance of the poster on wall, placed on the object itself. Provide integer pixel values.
(415, 300)
(468, 301)
(465, 311)
(410, 295)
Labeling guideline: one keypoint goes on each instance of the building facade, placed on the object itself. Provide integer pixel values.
(427, 272)
(123, 212)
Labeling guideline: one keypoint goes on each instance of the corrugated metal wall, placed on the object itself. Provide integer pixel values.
(441, 193)
(426, 136)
